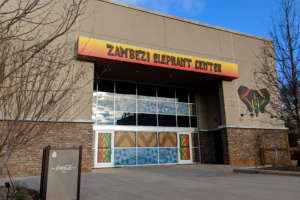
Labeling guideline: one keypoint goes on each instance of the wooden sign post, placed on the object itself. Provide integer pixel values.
(61, 172)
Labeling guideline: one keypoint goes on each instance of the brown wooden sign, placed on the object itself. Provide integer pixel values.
(61, 171)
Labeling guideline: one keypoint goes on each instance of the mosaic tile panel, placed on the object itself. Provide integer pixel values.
(104, 139)
(125, 156)
(167, 139)
(185, 154)
(168, 155)
(147, 139)
(147, 156)
(104, 155)
(125, 139)
(184, 141)
(184, 147)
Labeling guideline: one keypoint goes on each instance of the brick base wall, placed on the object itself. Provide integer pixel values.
(28, 161)
(225, 146)
(241, 147)
(207, 147)
(244, 146)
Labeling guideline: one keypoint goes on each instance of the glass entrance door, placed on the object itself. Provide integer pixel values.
(184, 148)
(104, 154)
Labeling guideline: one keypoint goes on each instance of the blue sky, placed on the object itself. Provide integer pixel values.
(247, 16)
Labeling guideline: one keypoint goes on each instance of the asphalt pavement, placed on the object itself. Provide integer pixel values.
(181, 182)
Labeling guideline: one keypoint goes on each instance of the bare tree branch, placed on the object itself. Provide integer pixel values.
(37, 77)
(285, 52)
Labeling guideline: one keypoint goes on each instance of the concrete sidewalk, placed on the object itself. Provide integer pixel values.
(253, 170)
(182, 182)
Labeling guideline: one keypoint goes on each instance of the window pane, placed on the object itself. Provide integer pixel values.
(146, 92)
(126, 105)
(147, 120)
(183, 121)
(182, 95)
(105, 104)
(126, 89)
(125, 139)
(167, 120)
(167, 139)
(147, 139)
(124, 118)
(192, 97)
(193, 109)
(194, 122)
(182, 108)
(105, 86)
(103, 111)
(146, 106)
(166, 108)
(104, 118)
(166, 94)
(94, 106)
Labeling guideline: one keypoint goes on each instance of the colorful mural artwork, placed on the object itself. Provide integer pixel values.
(125, 156)
(147, 139)
(168, 155)
(184, 147)
(167, 139)
(147, 156)
(104, 155)
(104, 140)
(125, 139)
(255, 100)
(104, 151)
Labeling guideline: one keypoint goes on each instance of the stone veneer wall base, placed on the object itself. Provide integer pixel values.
(244, 146)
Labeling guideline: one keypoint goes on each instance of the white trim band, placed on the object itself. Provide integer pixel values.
(243, 127)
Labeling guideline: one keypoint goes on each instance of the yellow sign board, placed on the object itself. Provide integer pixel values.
(110, 50)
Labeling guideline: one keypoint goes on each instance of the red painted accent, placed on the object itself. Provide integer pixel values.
(245, 94)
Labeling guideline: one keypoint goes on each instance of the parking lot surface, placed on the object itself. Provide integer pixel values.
(182, 182)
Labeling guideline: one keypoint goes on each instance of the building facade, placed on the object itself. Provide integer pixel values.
(165, 90)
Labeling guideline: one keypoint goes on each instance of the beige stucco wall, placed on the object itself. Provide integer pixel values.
(82, 95)
(208, 108)
(127, 25)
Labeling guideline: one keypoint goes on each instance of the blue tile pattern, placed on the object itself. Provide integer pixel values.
(147, 156)
(125, 156)
(168, 155)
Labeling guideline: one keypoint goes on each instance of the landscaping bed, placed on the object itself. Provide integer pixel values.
(21, 193)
